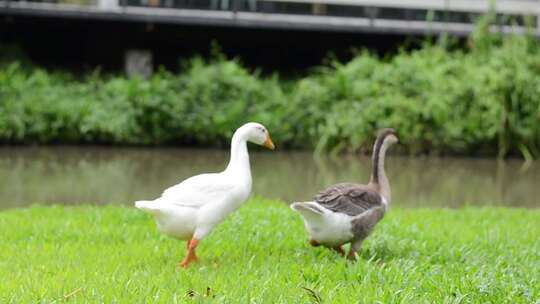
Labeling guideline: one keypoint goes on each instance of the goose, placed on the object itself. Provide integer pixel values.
(347, 212)
(191, 209)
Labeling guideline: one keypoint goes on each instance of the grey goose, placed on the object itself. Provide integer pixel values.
(347, 212)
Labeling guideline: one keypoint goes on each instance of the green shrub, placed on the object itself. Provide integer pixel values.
(483, 100)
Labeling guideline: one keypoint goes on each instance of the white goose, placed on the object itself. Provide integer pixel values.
(192, 208)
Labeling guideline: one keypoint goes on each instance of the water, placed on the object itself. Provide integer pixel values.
(104, 175)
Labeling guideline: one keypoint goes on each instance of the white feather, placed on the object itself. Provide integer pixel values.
(329, 228)
(199, 190)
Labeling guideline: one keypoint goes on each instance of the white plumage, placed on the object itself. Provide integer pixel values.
(192, 208)
(323, 225)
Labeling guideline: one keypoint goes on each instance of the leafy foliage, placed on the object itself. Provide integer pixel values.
(482, 100)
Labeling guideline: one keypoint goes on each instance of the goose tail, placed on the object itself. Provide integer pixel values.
(309, 210)
(151, 207)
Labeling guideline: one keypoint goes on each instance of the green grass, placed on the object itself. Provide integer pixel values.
(260, 254)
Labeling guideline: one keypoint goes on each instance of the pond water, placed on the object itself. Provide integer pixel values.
(105, 175)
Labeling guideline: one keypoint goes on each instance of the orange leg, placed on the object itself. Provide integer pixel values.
(191, 256)
(355, 246)
(352, 255)
(339, 250)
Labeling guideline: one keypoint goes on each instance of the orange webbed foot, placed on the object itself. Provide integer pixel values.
(191, 255)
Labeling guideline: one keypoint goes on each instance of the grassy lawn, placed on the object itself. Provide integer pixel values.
(260, 254)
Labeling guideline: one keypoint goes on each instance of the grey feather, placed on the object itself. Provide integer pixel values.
(363, 224)
(348, 198)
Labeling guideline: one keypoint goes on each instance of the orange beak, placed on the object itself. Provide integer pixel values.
(268, 143)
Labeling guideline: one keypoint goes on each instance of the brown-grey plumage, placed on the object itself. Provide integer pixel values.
(362, 206)
(363, 224)
(351, 199)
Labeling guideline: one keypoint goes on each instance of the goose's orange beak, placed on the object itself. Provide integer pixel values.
(268, 143)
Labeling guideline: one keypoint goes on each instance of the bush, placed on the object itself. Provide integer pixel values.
(484, 100)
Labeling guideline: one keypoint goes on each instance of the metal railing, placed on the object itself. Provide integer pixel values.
(524, 7)
(405, 16)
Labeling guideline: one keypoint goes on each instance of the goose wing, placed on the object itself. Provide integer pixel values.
(348, 198)
(199, 190)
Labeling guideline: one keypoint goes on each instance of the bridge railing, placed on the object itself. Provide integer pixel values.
(468, 6)
(457, 16)
(519, 7)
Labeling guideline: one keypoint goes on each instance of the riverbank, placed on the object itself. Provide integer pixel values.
(479, 100)
(115, 254)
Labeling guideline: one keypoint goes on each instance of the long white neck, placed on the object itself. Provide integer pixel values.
(239, 162)
(378, 176)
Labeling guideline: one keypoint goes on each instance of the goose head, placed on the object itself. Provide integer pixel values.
(257, 134)
(387, 137)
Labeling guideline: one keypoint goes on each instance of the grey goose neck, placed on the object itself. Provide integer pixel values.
(378, 175)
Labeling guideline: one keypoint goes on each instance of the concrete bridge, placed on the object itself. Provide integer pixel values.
(455, 17)
(272, 34)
